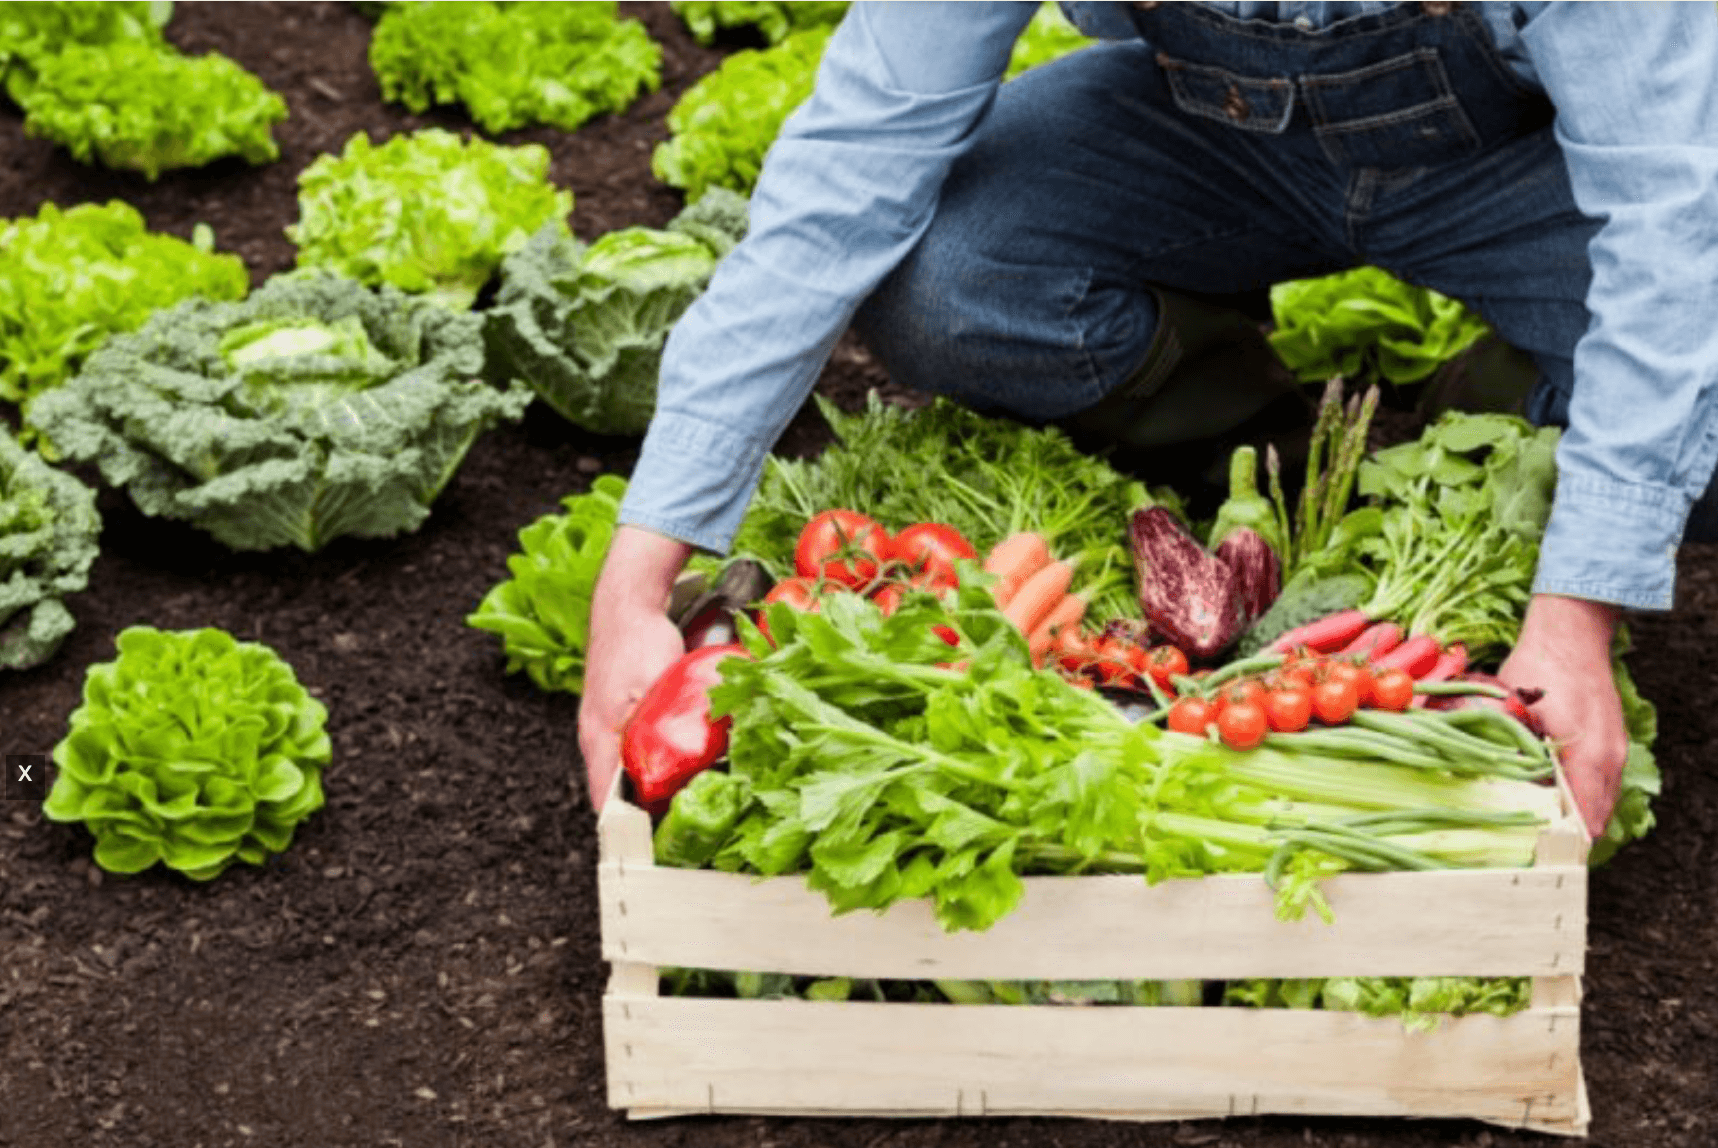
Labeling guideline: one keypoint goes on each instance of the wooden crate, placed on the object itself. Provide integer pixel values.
(670, 1056)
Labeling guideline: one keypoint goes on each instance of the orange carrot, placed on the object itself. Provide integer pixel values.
(1038, 595)
(1064, 616)
(1014, 560)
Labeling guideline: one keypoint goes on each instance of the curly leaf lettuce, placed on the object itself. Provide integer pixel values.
(516, 64)
(725, 122)
(34, 33)
(69, 279)
(772, 18)
(542, 614)
(425, 213)
(1367, 324)
(138, 107)
(313, 410)
(192, 750)
(48, 530)
(584, 326)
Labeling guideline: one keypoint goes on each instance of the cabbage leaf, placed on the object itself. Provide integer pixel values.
(313, 410)
(583, 326)
(48, 531)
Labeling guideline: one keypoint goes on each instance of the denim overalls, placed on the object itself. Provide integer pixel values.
(1216, 156)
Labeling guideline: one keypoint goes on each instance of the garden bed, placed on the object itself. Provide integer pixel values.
(423, 967)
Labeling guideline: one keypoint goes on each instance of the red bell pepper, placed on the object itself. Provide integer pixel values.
(669, 738)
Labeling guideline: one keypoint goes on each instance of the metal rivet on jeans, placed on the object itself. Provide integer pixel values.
(1235, 105)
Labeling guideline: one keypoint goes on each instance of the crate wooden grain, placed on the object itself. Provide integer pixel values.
(670, 1056)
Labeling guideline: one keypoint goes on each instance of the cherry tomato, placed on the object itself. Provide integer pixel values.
(799, 593)
(1246, 691)
(1190, 715)
(843, 547)
(1288, 708)
(1339, 670)
(1165, 663)
(929, 551)
(1335, 700)
(1242, 724)
(888, 597)
(1393, 690)
(1113, 660)
(1292, 676)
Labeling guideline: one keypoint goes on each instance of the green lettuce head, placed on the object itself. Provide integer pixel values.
(190, 749)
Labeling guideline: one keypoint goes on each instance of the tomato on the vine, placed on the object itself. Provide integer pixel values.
(1335, 700)
(1117, 662)
(1344, 671)
(929, 551)
(1190, 715)
(799, 593)
(1242, 724)
(1164, 664)
(1288, 708)
(1249, 691)
(843, 547)
(888, 597)
(1393, 690)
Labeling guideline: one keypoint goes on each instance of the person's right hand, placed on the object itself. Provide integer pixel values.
(632, 641)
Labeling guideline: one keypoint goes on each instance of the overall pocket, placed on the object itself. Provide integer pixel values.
(1256, 105)
(1401, 112)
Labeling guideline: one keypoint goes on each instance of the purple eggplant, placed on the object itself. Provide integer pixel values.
(1253, 560)
(1188, 594)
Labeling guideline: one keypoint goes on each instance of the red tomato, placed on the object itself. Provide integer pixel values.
(799, 593)
(888, 597)
(1338, 670)
(1335, 700)
(929, 550)
(1190, 715)
(1393, 690)
(843, 547)
(1247, 691)
(1114, 661)
(1242, 724)
(1165, 663)
(1288, 708)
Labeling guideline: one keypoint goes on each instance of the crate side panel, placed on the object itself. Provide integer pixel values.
(1527, 922)
(795, 1056)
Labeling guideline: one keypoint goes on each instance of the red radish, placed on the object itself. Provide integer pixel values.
(1326, 635)
(1375, 641)
(1450, 664)
(1417, 655)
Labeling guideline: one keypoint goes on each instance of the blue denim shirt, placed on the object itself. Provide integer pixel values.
(854, 179)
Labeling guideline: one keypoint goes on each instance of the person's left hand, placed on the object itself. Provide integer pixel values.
(1565, 650)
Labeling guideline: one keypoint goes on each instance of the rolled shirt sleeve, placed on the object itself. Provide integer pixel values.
(1636, 92)
(845, 192)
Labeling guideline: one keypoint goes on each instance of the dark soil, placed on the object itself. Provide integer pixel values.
(421, 968)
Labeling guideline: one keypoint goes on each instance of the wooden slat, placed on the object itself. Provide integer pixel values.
(690, 1055)
(1528, 922)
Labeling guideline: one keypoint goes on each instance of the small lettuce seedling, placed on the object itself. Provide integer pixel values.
(191, 749)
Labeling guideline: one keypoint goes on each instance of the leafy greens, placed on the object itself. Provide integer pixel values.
(315, 409)
(774, 19)
(31, 34)
(190, 749)
(48, 530)
(542, 614)
(424, 212)
(70, 278)
(141, 107)
(584, 326)
(725, 122)
(515, 64)
(1366, 324)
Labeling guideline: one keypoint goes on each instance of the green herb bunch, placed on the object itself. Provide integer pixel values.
(70, 278)
(190, 749)
(515, 64)
(425, 212)
(542, 613)
(48, 530)
(725, 122)
(1367, 325)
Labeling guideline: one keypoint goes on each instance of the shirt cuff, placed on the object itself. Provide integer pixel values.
(693, 481)
(1612, 541)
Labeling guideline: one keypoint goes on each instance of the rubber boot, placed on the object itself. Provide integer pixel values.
(1209, 382)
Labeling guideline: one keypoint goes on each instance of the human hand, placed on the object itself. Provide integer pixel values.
(632, 642)
(1565, 650)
